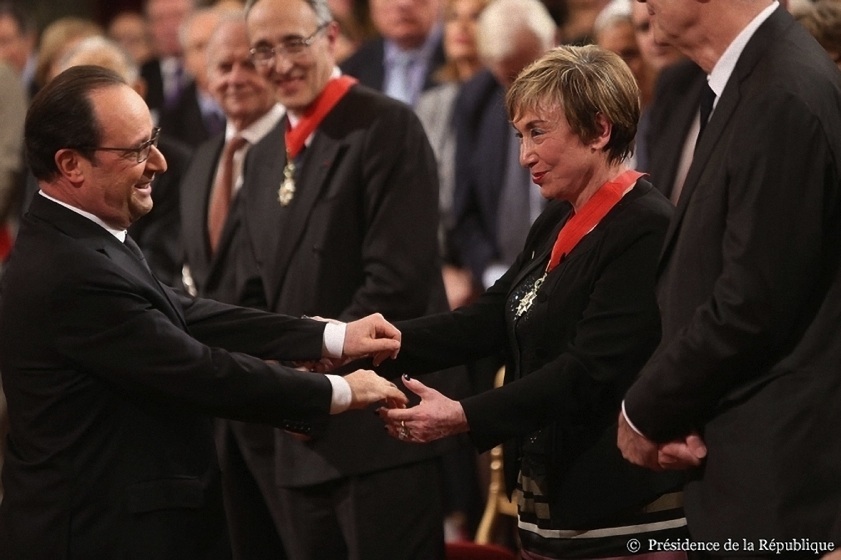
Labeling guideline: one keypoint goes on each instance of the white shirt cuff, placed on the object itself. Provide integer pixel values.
(341, 394)
(631, 424)
(333, 344)
(492, 273)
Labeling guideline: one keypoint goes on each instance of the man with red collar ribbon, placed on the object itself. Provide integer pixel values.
(340, 217)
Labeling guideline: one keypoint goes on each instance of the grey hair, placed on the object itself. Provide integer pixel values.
(501, 22)
(320, 7)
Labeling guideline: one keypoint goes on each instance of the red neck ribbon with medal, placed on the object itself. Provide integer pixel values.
(582, 223)
(296, 137)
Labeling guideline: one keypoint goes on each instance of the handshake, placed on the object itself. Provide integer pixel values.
(369, 337)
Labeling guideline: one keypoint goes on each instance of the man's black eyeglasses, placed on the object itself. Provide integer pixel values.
(290, 48)
(142, 151)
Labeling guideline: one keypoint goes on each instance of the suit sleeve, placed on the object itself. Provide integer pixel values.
(111, 331)
(773, 255)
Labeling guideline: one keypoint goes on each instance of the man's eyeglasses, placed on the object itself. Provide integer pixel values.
(141, 152)
(290, 48)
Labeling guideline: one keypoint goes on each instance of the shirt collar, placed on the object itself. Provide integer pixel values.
(723, 69)
(422, 53)
(118, 233)
(257, 130)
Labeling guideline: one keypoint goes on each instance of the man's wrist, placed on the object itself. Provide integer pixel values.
(333, 342)
(631, 424)
(342, 395)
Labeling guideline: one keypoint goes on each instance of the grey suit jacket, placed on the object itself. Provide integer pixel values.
(750, 293)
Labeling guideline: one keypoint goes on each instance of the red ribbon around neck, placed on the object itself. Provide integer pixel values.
(590, 215)
(315, 113)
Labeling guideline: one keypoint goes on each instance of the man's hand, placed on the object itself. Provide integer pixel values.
(682, 454)
(434, 418)
(674, 455)
(367, 387)
(371, 336)
(636, 448)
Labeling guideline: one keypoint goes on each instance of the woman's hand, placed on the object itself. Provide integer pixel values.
(435, 417)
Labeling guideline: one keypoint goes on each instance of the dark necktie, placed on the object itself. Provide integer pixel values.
(132, 246)
(706, 106)
(223, 187)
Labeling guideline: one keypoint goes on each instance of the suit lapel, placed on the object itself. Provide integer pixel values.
(97, 239)
(196, 195)
(720, 119)
(311, 182)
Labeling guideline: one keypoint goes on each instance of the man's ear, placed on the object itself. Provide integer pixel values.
(70, 165)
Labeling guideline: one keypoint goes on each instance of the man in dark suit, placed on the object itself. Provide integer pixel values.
(246, 451)
(344, 225)
(164, 75)
(672, 126)
(495, 201)
(110, 376)
(403, 60)
(745, 382)
(195, 116)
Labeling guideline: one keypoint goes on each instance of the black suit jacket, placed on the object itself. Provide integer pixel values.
(593, 325)
(360, 236)
(111, 380)
(673, 109)
(367, 64)
(185, 121)
(750, 293)
(482, 139)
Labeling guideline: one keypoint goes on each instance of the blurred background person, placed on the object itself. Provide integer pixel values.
(18, 38)
(130, 30)
(435, 110)
(355, 26)
(212, 232)
(494, 201)
(402, 61)
(58, 38)
(614, 30)
(13, 105)
(656, 57)
(164, 75)
(196, 115)
(579, 19)
(823, 20)
(576, 315)
(12, 112)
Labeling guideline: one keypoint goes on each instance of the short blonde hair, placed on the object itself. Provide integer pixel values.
(583, 82)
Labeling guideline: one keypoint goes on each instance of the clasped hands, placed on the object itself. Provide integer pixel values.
(673, 455)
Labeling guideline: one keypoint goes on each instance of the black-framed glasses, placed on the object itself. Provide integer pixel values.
(141, 152)
(293, 47)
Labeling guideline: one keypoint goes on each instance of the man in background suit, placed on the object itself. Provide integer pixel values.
(495, 201)
(745, 381)
(403, 60)
(246, 451)
(344, 225)
(111, 376)
(164, 74)
(195, 116)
